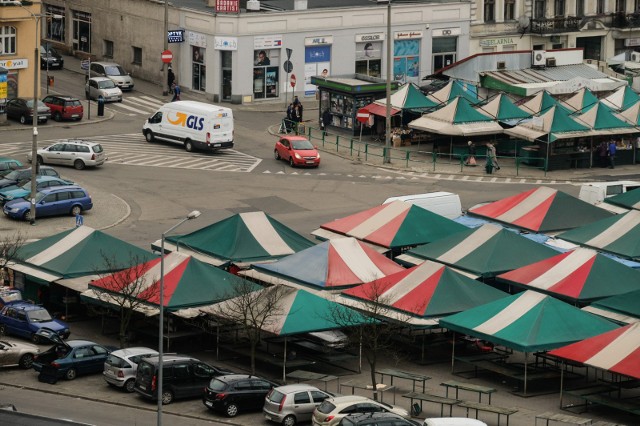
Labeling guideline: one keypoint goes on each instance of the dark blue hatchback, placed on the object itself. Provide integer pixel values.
(63, 200)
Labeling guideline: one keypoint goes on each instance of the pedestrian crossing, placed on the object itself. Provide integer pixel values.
(136, 105)
(133, 150)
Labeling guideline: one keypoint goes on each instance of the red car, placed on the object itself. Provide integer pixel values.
(64, 107)
(298, 151)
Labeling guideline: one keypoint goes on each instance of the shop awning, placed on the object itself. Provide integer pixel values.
(380, 110)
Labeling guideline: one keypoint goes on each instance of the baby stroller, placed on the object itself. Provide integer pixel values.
(287, 126)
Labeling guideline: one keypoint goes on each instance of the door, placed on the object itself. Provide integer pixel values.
(54, 154)
(182, 382)
(303, 405)
(225, 60)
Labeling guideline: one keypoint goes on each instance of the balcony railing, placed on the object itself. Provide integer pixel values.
(555, 25)
(625, 20)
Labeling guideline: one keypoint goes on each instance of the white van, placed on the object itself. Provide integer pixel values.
(196, 125)
(445, 204)
(596, 192)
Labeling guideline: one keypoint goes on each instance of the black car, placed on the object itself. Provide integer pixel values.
(236, 392)
(376, 419)
(21, 176)
(21, 109)
(50, 58)
(182, 377)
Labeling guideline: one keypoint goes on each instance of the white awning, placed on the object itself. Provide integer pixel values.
(156, 246)
(34, 272)
(78, 284)
(117, 301)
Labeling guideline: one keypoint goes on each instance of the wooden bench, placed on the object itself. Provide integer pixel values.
(427, 397)
(500, 411)
(562, 418)
(468, 387)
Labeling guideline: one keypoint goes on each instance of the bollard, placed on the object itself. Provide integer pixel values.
(100, 106)
(50, 81)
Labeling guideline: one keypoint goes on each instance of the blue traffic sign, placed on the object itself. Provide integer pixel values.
(84, 64)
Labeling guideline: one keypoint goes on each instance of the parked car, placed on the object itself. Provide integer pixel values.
(12, 192)
(21, 109)
(114, 72)
(291, 404)
(102, 88)
(182, 377)
(71, 358)
(326, 341)
(64, 107)
(22, 175)
(297, 150)
(72, 152)
(62, 200)
(26, 319)
(50, 58)
(234, 393)
(121, 366)
(7, 165)
(332, 410)
(17, 353)
(376, 419)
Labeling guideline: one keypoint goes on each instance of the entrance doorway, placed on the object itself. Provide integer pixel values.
(225, 59)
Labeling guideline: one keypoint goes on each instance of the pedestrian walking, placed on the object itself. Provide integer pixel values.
(471, 158)
(612, 154)
(491, 156)
(171, 78)
(176, 92)
(326, 119)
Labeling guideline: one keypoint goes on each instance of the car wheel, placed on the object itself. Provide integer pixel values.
(167, 397)
(231, 410)
(289, 421)
(120, 100)
(188, 146)
(3, 330)
(35, 339)
(57, 116)
(129, 385)
(78, 164)
(26, 361)
(76, 210)
(27, 215)
(276, 154)
(291, 162)
(23, 119)
(71, 374)
(149, 136)
(40, 160)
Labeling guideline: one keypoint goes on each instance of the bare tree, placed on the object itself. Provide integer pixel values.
(9, 253)
(255, 310)
(126, 288)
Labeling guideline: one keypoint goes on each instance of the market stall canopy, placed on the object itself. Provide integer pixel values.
(629, 199)
(486, 251)
(581, 275)
(582, 101)
(541, 103)
(393, 225)
(623, 308)
(188, 282)
(455, 89)
(241, 238)
(428, 290)
(458, 118)
(78, 252)
(502, 109)
(333, 264)
(631, 114)
(407, 98)
(622, 98)
(617, 351)
(619, 234)
(541, 209)
(602, 121)
(528, 322)
(552, 125)
(379, 110)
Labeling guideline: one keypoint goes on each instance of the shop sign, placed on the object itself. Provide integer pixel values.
(446, 32)
(267, 42)
(629, 42)
(14, 64)
(403, 35)
(318, 41)
(490, 42)
(225, 43)
(227, 6)
(197, 39)
(360, 38)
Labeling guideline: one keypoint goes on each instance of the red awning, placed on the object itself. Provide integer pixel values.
(378, 109)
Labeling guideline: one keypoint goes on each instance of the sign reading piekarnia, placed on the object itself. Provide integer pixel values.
(228, 6)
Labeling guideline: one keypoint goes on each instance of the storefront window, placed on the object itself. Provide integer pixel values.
(55, 26)
(406, 61)
(199, 69)
(444, 52)
(7, 40)
(82, 31)
(266, 73)
(369, 58)
(317, 59)
(341, 108)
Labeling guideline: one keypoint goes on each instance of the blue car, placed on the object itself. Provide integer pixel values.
(7, 165)
(14, 192)
(26, 320)
(60, 200)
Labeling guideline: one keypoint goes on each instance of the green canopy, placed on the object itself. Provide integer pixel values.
(455, 89)
(623, 308)
(541, 103)
(629, 199)
(502, 109)
(554, 124)
(602, 121)
(408, 97)
(582, 101)
(622, 98)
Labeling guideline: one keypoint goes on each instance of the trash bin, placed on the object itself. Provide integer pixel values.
(50, 80)
(100, 106)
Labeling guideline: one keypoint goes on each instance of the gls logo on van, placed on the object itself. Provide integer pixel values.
(190, 121)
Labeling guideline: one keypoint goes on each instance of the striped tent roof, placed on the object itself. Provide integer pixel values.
(552, 124)
(488, 250)
(602, 121)
(580, 275)
(188, 282)
(428, 290)
(408, 97)
(528, 322)
(541, 103)
(541, 209)
(629, 199)
(622, 98)
(624, 308)
(617, 351)
(337, 263)
(394, 225)
(454, 89)
(582, 101)
(618, 234)
(501, 108)
(457, 118)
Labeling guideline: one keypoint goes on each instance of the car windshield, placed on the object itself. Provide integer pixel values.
(304, 144)
(217, 385)
(106, 84)
(97, 148)
(39, 315)
(114, 70)
(14, 175)
(276, 396)
(30, 103)
(26, 186)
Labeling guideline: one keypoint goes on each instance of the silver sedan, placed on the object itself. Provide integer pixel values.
(17, 353)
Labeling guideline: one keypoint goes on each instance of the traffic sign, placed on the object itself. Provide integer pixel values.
(289, 52)
(84, 64)
(293, 80)
(167, 56)
(363, 117)
(288, 66)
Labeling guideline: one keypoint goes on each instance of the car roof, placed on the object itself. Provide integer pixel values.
(171, 358)
(295, 138)
(66, 97)
(76, 343)
(298, 387)
(100, 79)
(128, 352)
(26, 306)
(234, 377)
(349, 399)
(106, 63)
(61, 188)
(78, 141)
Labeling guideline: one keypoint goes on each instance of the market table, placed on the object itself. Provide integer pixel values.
(468, 387)
(403, 375)
(301, 375)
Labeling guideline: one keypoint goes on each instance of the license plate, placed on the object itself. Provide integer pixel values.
(75, 115)
(216, 144)
(268, 417)
(310, 161)
(208, 403)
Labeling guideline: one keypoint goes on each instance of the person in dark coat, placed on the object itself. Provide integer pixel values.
(471, 159)
(602, 154)
(171, 77)
(326, 119)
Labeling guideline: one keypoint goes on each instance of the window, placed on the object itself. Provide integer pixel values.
(600, 7)
(108, 49)
(7, 40)
(539, 10)
(137, 55)
(181, 371)
(199, 69)
(559, 7)
(63, 196)
(444, 52)
(580, 8)
(621, 6)
(82, 31)
(55, 26)
(489, 11)
(369, 58)
(318, 396)
(636, 6)
(301, 398)
(509, 10)
(266, 73)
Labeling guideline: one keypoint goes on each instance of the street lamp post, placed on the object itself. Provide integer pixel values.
(387, 137)
(194, 214)
(165, 67)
